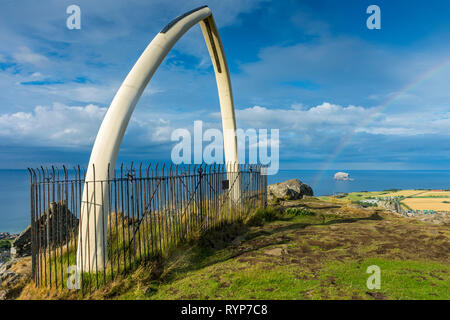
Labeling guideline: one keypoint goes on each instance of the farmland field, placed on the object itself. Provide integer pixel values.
(428, 203)
(414, 199)
(443, 194)
(356, 196)
(404, 193)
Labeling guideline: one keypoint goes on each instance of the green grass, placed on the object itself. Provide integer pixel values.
(431, 196)
(218, 275)
(299, 212)
(130, 246)
(399, 279)
(365, 204)
(364, 195)
(314, 250)
(253, 282)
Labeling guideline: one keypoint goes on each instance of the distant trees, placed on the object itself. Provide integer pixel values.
(5, 244)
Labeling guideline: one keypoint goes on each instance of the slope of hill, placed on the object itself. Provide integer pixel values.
(305, 249)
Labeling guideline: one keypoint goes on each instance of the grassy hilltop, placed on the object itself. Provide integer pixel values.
(305, 249)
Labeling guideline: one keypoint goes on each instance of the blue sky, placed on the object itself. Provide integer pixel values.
(311, 69)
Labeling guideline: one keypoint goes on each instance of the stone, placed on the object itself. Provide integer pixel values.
(274, 252)
(292, 189)
(21, 247)
(237, 241)
(4, 267)
(14, 275)
(60, 223)
(10, 277)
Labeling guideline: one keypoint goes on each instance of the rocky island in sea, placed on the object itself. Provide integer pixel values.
(342, 176)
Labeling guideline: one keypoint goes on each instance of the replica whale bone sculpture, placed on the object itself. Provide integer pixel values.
(91, 251)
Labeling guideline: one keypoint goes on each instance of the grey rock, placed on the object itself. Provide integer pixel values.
(11, 281)
(237, 241)
(4, 267)
(6, 276)
(342, 176)
(277, 252)
(55, 226)
(21, 247)
(274, 252)
(9, 277)
(292, 189)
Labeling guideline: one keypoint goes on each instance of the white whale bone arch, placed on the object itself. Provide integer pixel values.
(91, 251)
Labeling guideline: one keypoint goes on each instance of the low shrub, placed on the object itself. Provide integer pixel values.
(299, 212)
(276, 201)
(5, 244)
(365, 204)
(264, 214)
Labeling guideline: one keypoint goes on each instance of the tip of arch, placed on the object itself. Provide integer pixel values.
(174, 21)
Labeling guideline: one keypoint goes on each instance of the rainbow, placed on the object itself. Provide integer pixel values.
(377, 110)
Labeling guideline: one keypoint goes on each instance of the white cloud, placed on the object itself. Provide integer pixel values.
(322, 117)
(76, 126)
(36, 75)
(25, 55)
(162, 134)
(59, 125)
(325, 123)
(322, 125)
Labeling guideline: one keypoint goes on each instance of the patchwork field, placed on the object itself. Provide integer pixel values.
(413, 199)
(403, 193)
(436, 204)
(443, 194)
(362, 195)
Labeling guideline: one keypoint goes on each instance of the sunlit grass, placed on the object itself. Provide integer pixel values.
(132, 242)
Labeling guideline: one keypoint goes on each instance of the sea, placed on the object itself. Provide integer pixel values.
(15, 187)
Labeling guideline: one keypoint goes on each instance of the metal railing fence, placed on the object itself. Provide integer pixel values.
(150, 211)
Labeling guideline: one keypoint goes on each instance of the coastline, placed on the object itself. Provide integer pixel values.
(15, 192)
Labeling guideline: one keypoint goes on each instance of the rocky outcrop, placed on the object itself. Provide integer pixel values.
(5, 274)
(14, 275)
(21, 247)
(55, 227)
(289, 190)
(437, 218)
(342, 176)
